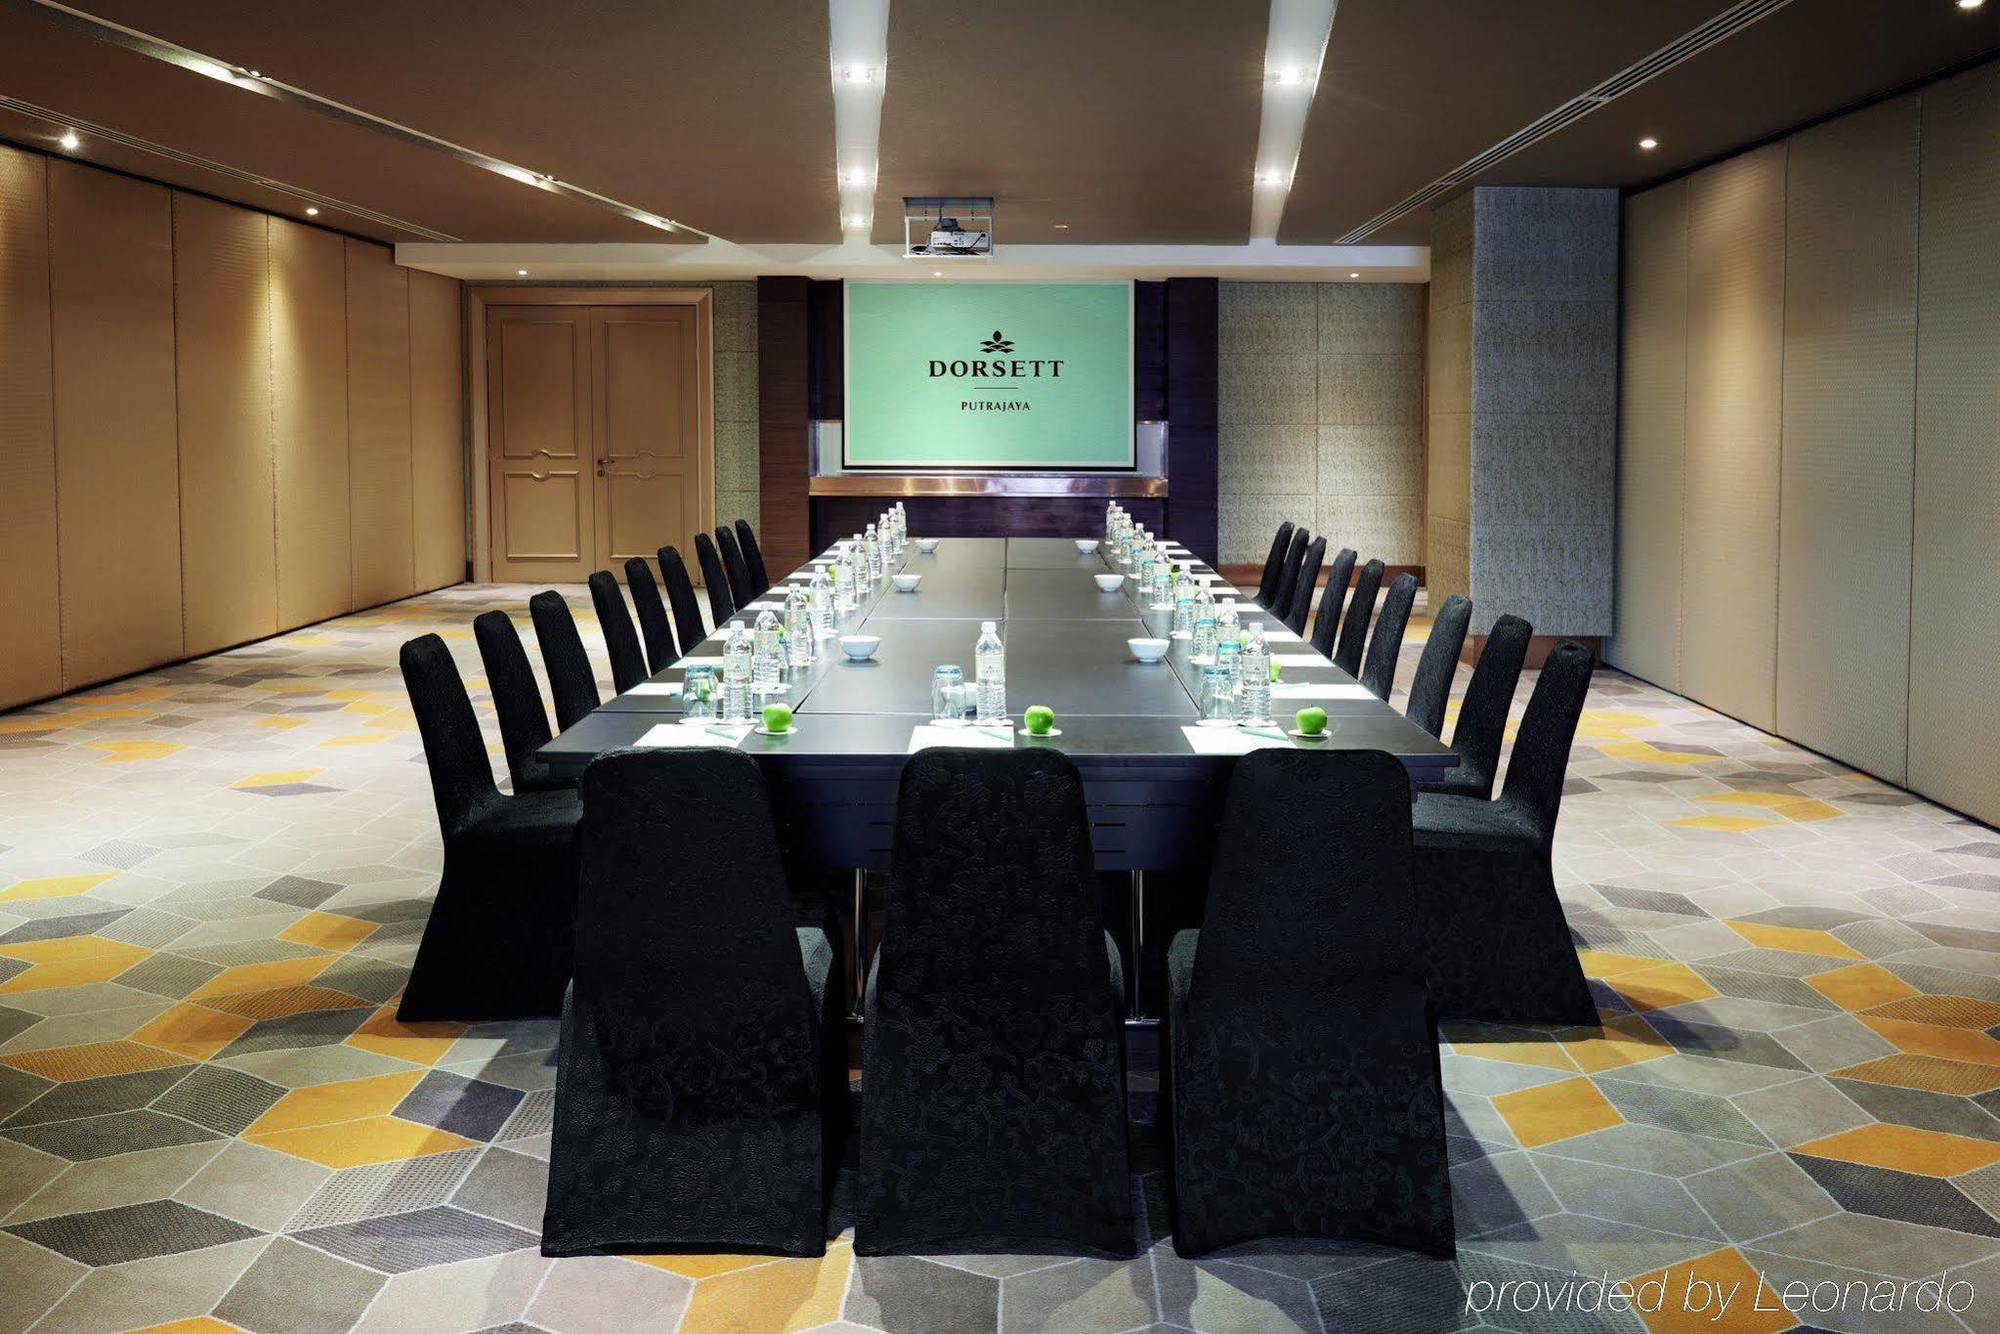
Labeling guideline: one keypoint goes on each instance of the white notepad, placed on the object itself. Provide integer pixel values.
(925, 735)
(669, 688)
(765, 606)
(1326, 690)
(1229, 740)
(686, 736)
(1300, 660)
(700, 662)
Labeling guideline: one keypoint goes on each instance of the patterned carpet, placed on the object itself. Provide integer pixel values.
(213, 878)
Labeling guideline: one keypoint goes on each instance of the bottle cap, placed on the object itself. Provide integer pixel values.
(989, 627)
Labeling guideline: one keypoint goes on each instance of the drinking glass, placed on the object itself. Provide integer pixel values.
(698, 695)
(1218, 698)
(948, 696)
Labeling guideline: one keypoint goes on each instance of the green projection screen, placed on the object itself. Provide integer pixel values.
(988, 375)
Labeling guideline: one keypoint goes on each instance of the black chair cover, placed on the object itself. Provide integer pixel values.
(721, 603)
(741, 589)
(1378, 673)
(1274, 564)
(572, 680)
(1430, 691)
(1326, 621)
(658, 631)
(1303, 1093)
(1294, 616)
(680, 596)
(993, 1097)
(497, 945)
(628, 661)
(1498, 944)
(1354, 626)
(753, 558)
(1288, 574)
(1482, 715)
(703, 1070)
(517, 701)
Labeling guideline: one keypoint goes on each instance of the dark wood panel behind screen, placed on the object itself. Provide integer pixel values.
(1149, 351)
(784, 440)
(826, 313)
(1191, 415)
(835, 517)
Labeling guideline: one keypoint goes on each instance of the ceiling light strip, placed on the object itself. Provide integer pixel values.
(1294, 49)
(311, 198)
(1683, 48)
(858, 52)
(160, 49)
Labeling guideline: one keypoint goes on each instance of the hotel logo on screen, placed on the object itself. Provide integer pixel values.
(1004, 374)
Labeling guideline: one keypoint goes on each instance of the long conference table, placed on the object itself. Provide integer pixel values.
(1153, 780)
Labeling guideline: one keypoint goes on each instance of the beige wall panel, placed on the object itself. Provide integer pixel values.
(1849, 425)
(1955, 614)
(31, 664)
(117, 471)
(1735, 379)
(437, 430)
(378, 425)
(309, 408)
(1651, 434)
(222, 335)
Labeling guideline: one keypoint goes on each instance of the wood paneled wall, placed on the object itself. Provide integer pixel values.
(1837, 527)
(181, 467)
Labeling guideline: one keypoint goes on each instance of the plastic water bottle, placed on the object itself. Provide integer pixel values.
(1184, 608)
(1228, 622)
(1228, 652)
(801, 640)
(768, 669)
(1253, 665)
(1163, 586)
(871, 555)
(1202, 650)
(820, 602)
(737, 671)
(989, 659)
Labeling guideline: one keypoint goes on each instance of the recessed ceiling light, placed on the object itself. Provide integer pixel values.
(1970, 4)
(70, 142)
(312, 210)
(1062, 226)
(518, 174)
(520, 273)
(1354, 275)
(937, 273)
(1291, 78)
(857, 74)
(1281, 179)
(856, 177)
(855, 222)
(1649, 143)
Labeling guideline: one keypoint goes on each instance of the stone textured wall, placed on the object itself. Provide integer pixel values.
(1321, 393)
(736, 474)
(1448, 507)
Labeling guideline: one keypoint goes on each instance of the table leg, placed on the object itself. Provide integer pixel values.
(860, 940)
(1136, 964)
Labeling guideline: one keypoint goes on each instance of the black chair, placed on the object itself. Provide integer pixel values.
(654, 626)
(1430, 691)
(1385, 645)
(680, 596)
(1498, 944)
(628, 662)
(1288, 574)
(497, 945)
(721, 605)
(1274, 564)
(572, 680)
(703, 1070)
(1326, 621)
(753, 559)
(1482, 715)
(1294, 616)
(1354, 626)
(1302, 1090)
(993, 1085)
(517, 701)
(741, 589)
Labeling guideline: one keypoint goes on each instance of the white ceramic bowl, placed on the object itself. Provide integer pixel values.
(1086, 545)
(907, 583)
(1147, 650)
(1109, 583)
(927, 545)
(860, 648)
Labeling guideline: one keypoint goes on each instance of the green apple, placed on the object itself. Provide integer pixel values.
(1312, 720)
(778, 717)
(1274, 671)
(1039, 718)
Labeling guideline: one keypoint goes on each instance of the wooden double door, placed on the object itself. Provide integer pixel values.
(596, 441)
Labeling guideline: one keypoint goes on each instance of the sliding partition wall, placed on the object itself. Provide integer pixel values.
(1809, 494)
(215, 424)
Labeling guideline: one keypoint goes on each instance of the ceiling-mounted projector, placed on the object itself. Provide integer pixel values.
(948, 238)
(947, 228)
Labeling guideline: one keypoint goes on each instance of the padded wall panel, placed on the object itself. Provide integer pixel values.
(309, 407)
(31, 663)
(1955, 613)
(117, 469)
(1849, 424)
(1735, 371)
(1651, 435)
(437, 430)
(222, 334)
(378, 425)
